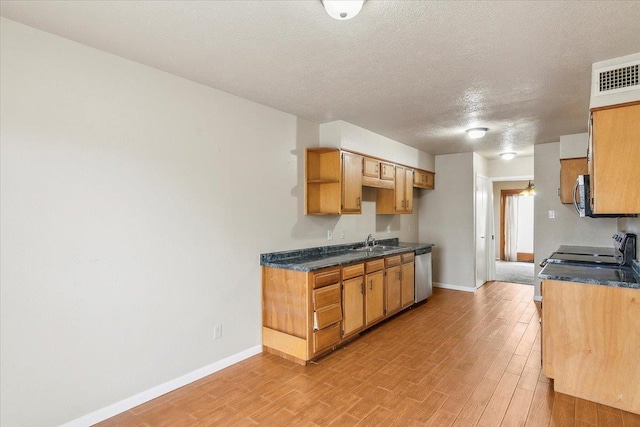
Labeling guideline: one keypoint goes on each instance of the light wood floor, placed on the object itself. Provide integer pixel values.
(458, 360)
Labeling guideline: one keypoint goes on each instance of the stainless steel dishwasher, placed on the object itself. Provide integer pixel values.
(423, 280)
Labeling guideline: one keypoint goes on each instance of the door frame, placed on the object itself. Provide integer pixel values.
(522, 256)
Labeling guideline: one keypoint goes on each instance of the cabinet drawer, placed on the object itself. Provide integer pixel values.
(352, 271)
(408, 257)
(327, 316)
(326, 278)
(373, 266)
(326, 337)
(326, 296)
(392, 260)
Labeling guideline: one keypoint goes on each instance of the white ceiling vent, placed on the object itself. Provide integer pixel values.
(615, 81)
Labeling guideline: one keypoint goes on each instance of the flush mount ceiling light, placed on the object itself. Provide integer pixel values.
(476, 133)
(529, 191)
(507, 156)
(342, 9)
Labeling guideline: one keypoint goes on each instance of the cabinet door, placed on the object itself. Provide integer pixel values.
(408, 283)
(616, 150)
(351, 183)
(408, 191)
(387, 171)
(400, 189)
(371, 168)
(392, 290)
(352, 305)
(374, 305)
(569, 171)
(429, 180)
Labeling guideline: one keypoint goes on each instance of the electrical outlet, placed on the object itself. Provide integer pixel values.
(329, 234)
(217, 332)
(342, 234)
(388, 229)
(552, 214)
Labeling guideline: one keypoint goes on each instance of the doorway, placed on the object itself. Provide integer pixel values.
(514, 225)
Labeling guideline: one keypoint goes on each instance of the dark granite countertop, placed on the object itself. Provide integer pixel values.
(623, 277)
(330, 256)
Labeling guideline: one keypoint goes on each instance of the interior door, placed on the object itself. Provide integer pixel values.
(482, 197)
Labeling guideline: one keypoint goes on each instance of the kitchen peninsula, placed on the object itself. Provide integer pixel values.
(316, 299)
(591, 332)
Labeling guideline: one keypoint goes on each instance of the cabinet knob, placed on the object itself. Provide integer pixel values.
(370, 285)
(358, 201)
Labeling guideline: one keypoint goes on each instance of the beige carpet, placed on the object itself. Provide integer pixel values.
(515, 272)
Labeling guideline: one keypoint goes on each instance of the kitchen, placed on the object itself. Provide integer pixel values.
(134, 249)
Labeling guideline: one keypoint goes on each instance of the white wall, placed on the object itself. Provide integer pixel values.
(574, 146)
(447, 219)
(517, 168)
(567, 228)
(135, 205)
(341, 134)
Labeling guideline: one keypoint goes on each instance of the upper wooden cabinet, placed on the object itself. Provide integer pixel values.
(333, 182)
(424, 179)
(334, 179)
(569, 171)
(614, 153)
(377, 173)
(400, 199)
(351, 183)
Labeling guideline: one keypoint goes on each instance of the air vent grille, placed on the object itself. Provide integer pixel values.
(619, 78)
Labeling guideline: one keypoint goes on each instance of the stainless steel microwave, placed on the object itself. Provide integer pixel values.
(581, 196)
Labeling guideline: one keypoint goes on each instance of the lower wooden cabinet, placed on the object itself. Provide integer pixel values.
(374, 291)
(590, 342)
(326, 338)
(407, 279)
(353, 303)
(393, 290)
(306, 314)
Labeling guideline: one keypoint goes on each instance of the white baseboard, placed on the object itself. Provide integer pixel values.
(152, 393)
(537, 298)
(454, 287)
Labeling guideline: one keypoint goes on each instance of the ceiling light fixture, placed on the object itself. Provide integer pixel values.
(342, 9)
(529, 191)
(476, 133)
(507, 156)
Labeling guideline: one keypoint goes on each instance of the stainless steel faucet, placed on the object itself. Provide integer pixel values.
(369, 241)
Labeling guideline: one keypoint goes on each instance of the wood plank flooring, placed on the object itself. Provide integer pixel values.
(458, 360)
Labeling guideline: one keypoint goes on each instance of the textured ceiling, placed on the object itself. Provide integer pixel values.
(419, 72)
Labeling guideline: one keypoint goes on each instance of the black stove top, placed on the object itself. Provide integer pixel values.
(621, 254)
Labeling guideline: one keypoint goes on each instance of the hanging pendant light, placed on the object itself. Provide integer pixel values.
(342, 9)
(529, 191)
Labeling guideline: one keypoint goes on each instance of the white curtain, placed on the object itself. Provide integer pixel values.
(511, 228)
